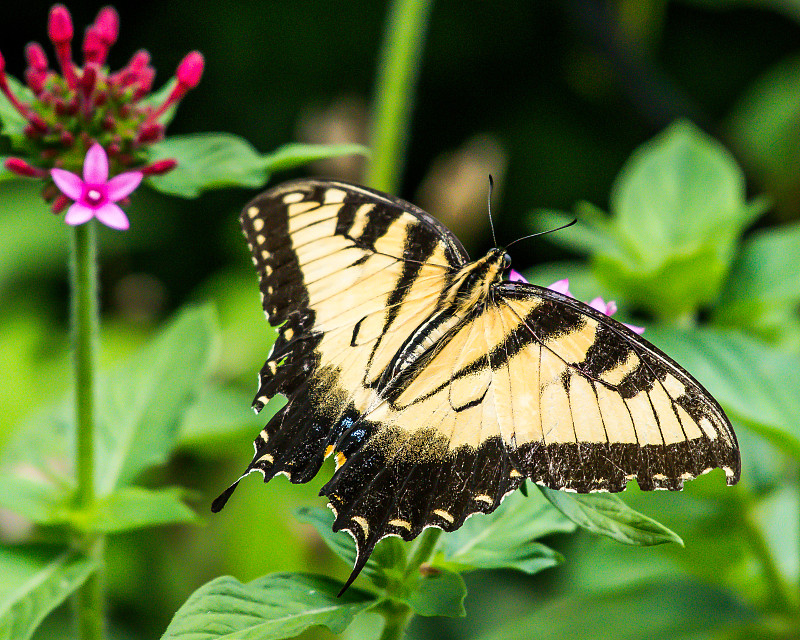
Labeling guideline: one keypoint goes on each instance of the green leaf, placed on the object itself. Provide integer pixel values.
(438, 592)
(588, 235)
(216, 160)
(754, 382)
(220, 413)
(505, 538)
(132, 508)
(279, 605)
(663, 609)
(140, 405)
(606, 514)
(291, 156)
(13, 123)
(35, 498)
(34, 583)
(763, 289)
(678, 207)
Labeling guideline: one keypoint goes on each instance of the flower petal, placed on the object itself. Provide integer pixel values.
(562, 287)
(112, 216)
(598, 304)
(634, 328)
(123, 185)
(70, 184)
(78, 214)
(516, 276)
(95, 165)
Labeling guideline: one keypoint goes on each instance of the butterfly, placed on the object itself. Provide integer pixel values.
(438, 385)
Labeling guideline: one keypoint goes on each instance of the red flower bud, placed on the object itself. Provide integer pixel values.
(107, 24)
(94, 49)
(67, 139)
(140, 59)
(159, 167)
(145, 83)
(35, 80)
(59, 25)
(2, 65)
(36, 57)
(22, 168)
(190, 70)
(60, 203)
(59, 28)
(150, 132)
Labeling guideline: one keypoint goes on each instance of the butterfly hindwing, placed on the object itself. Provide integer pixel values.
(437, 387)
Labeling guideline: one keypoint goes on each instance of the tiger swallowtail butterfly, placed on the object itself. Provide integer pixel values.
(437, 385)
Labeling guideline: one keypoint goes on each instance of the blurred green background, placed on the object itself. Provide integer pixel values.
(552, 97)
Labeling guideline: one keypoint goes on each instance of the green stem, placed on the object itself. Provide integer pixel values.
(426, 545)
(399, 614)
(85, 322)
(398, 69)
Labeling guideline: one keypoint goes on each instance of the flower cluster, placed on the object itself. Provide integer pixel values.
(66, 114)
(598, 304)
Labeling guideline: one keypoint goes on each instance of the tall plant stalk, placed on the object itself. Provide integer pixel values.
(398, 69)
(85, 323)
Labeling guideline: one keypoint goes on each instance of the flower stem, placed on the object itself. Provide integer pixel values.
(399, 614)
(85, 322)
(398, 69)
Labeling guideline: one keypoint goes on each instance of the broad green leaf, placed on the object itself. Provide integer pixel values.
(763, 289)
(131, 508)
(216, 160)
(677, 188)
(506, 537)
(34, 497)
(207, 161)
(438, 592)
(141, 404)
(678, 207)
(34, 583)
(754, 382)
(220, 413)
(662, 609)
(606, 514)
(279, 605)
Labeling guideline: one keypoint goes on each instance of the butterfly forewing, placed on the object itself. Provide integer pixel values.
(436, 408)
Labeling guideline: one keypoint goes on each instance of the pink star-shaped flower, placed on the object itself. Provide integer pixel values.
(95, 195)
(598, 304)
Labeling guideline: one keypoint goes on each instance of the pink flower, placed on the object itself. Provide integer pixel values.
(598, 304)
(95, 195)
(68, 110)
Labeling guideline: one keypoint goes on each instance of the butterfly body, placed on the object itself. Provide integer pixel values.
(438, 386)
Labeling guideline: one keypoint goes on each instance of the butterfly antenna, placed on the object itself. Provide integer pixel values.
(541, 233)
(491, 224)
